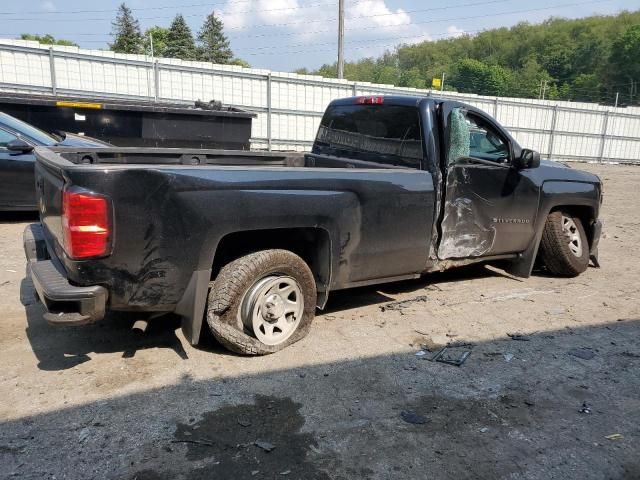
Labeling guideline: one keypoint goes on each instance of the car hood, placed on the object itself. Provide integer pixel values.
(551, 163)
(73, 140)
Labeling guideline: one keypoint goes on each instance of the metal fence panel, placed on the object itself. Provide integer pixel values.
(289, 106)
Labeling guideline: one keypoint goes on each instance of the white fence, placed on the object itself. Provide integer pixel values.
(289, 106)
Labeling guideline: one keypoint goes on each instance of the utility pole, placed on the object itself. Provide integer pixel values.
(442, 83)
(341, 39)
(544, 89)
(151, 43)
(617, 95)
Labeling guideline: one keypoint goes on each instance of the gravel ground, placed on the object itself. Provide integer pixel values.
(352, 400)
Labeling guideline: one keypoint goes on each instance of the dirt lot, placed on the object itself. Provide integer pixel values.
(104, 402)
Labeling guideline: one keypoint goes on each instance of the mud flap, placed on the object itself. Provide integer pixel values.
(192, 304)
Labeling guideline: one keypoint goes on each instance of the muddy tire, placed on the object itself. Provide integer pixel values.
(564, 248)
(262, 302)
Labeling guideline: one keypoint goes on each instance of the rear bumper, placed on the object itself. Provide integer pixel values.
(66, 304)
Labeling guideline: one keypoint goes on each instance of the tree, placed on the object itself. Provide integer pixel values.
(126, 31)
(180, 42)
(159, 35)
(588, 58)
(478, 77)
(623, 62)
(213, 45)
(240, 62)
(47, 39)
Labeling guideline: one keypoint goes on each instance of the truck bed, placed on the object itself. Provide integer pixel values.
(175, 211)
(171, 156)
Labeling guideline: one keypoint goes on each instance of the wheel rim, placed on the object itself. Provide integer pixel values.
(570, 229)
(272, 309)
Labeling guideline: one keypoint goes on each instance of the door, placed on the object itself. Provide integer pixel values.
(17, 183)
(489, 207)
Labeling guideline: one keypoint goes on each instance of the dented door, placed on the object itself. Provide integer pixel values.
(489, 208)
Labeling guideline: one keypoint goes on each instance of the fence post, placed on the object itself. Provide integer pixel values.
(554, 118)
(269, 111)
(605, 124)
(52, 66)
(354, 89)
(156, 80)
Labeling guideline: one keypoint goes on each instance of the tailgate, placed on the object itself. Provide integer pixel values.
(49, 173)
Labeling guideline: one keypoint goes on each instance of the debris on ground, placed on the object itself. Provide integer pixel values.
(196, 442)
(614, 436)
(586, 408)
(630, 354)
(484, 430)
(518, 337)
(243, 422)
(412, 417)
(421, 353)
(507, 357)
(583, 353)
(402, 304)
(266, 446)
(454, 354)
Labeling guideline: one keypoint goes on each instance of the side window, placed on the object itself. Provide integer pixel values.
(471, 136)
(385, 134)
(6, 137)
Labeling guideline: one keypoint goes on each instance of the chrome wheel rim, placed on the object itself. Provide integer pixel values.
(570, 229)
(272, 309)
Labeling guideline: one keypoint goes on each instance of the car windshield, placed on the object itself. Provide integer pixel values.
(28, 130)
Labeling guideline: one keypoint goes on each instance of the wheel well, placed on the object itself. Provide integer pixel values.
(584, 213)
(313, 245)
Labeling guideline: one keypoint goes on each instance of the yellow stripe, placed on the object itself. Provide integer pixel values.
(79, 104)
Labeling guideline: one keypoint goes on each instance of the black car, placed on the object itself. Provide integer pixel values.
(17, 139)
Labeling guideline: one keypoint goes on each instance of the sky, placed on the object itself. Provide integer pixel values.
(283, 35)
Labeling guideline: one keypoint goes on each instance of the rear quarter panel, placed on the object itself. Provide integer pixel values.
(169, 221)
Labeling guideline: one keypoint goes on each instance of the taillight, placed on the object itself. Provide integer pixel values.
(369, 100)
(86, 224)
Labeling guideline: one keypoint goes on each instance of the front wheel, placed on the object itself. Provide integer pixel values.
(564, 248)
(262, 302)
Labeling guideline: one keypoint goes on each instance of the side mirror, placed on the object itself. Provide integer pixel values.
(19, 146)
(528, 159)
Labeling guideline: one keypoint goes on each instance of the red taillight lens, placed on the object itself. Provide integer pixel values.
(86, 225)
(369, 100)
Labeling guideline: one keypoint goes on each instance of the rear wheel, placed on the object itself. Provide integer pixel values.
(262, 302)
(564, 248)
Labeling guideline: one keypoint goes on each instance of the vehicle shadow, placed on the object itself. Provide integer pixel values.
(383, 293)
(61, 348)
(562, 404)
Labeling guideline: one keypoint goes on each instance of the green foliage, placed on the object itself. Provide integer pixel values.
(240, 62)
(624, 62)
(159, 35)
(126, 32)
(587, 59)
(47, 40)
(213, 45)
(180, 42)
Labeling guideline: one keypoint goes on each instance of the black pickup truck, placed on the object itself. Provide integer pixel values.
(254, 242)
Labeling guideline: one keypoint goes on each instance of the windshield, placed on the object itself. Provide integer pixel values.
(28, 130)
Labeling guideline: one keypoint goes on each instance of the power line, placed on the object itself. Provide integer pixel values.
(452, 19)
(161, 7)
(304, 22)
